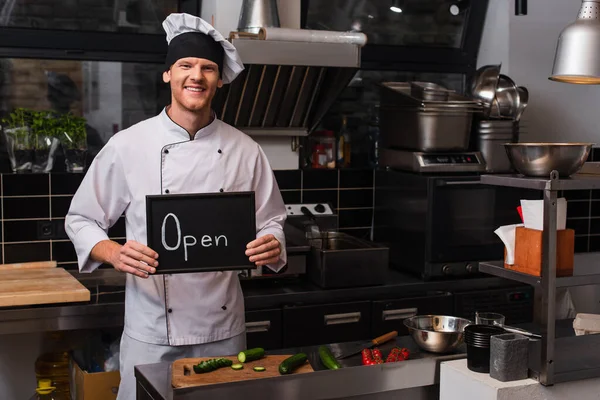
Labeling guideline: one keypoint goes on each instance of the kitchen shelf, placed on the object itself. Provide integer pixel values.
(558, 359)
(496, 268)
(576, 182)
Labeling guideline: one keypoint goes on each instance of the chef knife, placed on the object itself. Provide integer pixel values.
(341, 351)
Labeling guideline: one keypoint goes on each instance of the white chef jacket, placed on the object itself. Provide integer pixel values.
(157, 156)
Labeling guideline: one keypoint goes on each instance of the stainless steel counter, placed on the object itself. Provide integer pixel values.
(414, 379)
(106, 307)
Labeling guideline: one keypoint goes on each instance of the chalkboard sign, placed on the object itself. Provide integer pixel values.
(201, 232)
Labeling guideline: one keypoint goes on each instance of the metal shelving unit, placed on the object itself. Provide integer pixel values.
(560, 358)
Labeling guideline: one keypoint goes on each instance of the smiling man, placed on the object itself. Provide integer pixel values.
(185, 149)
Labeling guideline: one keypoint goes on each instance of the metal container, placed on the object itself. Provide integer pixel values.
(340, 260)
(491, 147)
(412, 123)
(437, 333)
(429, 91)
(257, 14)
(423, 130)
(489, 138)
(540, 159)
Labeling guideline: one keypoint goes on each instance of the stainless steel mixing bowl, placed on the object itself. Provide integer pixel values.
(437, 333)
(540, 159)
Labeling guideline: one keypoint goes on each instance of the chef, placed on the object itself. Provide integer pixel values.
(184, 149)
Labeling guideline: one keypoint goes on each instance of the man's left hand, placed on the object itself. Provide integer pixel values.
(264, 250)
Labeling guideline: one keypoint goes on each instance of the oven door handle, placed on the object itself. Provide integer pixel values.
(459, 183)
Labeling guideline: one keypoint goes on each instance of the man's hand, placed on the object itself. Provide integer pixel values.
(264, 250)
(133, 257)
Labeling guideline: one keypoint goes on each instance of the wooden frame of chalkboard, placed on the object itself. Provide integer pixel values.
(196, 232)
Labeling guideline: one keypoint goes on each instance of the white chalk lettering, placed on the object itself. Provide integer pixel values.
(219, 237)
(164, 239)
(206, 241)
(187, 244)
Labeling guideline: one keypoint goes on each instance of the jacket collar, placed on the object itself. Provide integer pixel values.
(174, 128)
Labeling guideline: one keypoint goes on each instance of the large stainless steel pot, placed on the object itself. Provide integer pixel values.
(413, 123)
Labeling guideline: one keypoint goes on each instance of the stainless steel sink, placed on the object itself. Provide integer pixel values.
(341, 260)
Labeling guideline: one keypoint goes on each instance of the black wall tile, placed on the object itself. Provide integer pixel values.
(355, 218)
(15, 253)
(578, 209)
(356, 198)
(26, 207)
(20, 185)
(594, 243)
(581, 226)
(581, 244)
(72, 267)
(352, 178)
(63, 252)
(60, 206)
(321, 196)
(595, 225)
(320, 179)
(595, 153)
(66, 183)
(289, 179)
(595, 209)
(596, 194)
(118, 229)
(362, 233)
(291, 196)
(21, 231)
(577, 194)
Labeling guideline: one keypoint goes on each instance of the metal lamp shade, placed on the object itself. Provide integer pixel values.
(577, 58)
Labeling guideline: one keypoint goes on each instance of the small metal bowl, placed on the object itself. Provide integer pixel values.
(437, 333)
(540, 159)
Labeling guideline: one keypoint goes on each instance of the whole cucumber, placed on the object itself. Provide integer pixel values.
(328, 359)
(288, 365)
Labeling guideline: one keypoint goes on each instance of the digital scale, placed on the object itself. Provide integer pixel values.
(406, 160)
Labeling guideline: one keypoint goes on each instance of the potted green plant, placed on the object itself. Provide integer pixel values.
(19, 143)
(43, 128)
(73, 138)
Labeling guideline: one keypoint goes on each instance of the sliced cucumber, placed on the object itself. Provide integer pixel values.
(251, 355)
(259, 369)
(237, 366)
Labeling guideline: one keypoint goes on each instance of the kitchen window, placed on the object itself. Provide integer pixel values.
(110, 95)
(133, 16)
(434, 35)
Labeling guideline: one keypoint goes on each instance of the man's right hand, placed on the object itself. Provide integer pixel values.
(132, 257)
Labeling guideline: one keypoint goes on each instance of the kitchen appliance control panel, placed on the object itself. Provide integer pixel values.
(316, 209)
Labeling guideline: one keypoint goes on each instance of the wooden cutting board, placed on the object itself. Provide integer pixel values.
(19, 287)
(179, 379)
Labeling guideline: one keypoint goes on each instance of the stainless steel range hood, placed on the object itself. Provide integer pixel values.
(287, 87)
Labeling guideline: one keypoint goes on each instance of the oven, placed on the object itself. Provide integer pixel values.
(440, 226)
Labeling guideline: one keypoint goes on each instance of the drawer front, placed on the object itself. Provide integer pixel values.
(327, 323)
(389, 315)
(264, 329)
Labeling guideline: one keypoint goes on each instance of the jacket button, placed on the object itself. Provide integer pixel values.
(224, 307)
(166, 151)
(221, 190)
(170, 310)
(166, 190)
(219, 151)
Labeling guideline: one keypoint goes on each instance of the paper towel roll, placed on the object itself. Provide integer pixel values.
(307, 35)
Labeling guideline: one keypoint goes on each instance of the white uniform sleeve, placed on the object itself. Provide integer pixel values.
(270, 209)
(98, 203)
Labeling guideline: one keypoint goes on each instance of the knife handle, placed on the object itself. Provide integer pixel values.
(384, 338)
